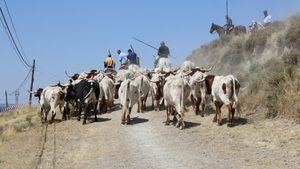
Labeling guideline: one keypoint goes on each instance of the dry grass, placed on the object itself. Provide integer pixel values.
(17, 121)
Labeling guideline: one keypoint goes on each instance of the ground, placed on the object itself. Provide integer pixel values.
(148, 143)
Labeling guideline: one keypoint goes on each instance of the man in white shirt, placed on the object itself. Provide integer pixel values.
(122, 56)
(267, 19)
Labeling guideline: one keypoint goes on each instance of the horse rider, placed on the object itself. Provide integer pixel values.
(123, 59)
(229, 25)
(109, 64)
(132, 57)
(267, 19)
(163, 52)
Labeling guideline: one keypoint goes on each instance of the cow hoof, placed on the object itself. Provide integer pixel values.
(96, 119)
(78, 119)
(202, 115)
(123, 122)
(181, 127)
(214, 120)
(84, 122)
(229, 125)
(219, 123)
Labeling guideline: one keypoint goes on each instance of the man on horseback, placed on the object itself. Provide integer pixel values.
(229, 25)
(163, 52)
(109, 64)
(123, 59)
(267, 19)
(132, 57)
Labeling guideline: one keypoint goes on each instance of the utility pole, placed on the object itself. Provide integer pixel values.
(226, 7)
(31, 83)
(17, 97)
(6, 99)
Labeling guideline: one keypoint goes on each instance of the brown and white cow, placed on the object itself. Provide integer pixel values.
(224, 91)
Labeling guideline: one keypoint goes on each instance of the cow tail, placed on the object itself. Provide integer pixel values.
(126, 95)
(234, 93)
(182, 97)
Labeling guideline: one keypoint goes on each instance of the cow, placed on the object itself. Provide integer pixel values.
(108, 88)
(51, 98)
(157, 82)
(121, 76)
(143, 91)
(86, 93)
(224, 91)
(128, 94)
(176, 95)
(198, 92)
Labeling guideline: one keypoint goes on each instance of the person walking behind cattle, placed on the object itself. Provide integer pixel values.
(109, 64)
(132, 57)
(267, 19)
(163, 52)
(229, 25)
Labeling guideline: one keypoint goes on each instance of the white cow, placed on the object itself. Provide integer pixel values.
(144, 88)
(128, 93)
(198, 91)
(176, 94)
(51, 99)
(108, 87)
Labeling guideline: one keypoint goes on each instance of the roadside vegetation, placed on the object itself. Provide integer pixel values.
(16, 121)
(267, 64)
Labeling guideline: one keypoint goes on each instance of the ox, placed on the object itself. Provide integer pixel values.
(128, 93)
(51, 98)
(176, 93)
(108, 89)
(143, 90)
(224, 90)
(86, 93)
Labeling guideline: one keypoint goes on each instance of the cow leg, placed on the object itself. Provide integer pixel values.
(45, 116)
(197, 104)
(85, 111)
(123, 116)
(168, 110)
(231, 111)
(193, 102)
(95, 111)
(182, 124)
(219, 118)
(42, 117)
(157, 105)
(152, 105)
(128, 121)
(79, 111)
(139, 105)
(53, 115)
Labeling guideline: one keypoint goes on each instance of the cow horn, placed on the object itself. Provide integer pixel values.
(67, 74)
(31, 92)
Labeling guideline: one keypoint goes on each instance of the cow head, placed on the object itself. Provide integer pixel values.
(38, 93)
(73, 77)
(70, 92)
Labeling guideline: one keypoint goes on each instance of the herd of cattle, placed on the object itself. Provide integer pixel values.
(95, 91)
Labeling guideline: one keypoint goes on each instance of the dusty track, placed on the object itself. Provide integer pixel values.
(148, 143)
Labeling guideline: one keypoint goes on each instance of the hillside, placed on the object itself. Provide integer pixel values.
(267, 64)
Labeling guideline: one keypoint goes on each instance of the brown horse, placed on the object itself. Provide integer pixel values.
(221, 31)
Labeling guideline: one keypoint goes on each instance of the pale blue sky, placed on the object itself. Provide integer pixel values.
(76, 35)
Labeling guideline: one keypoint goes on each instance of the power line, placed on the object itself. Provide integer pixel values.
(22, 84)
(15, 31)
(12, 38)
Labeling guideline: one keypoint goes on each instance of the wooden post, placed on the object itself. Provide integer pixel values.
(31, 84)
(6, 99)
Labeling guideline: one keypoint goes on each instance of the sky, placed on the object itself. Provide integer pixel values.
(76, 35)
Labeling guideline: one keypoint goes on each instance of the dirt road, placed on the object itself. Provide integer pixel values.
(148, 143)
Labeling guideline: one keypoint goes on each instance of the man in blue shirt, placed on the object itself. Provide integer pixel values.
(132, 57)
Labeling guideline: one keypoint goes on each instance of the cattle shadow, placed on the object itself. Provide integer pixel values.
(189, 124)
(137, 120)
(237, 121)
(99, 119)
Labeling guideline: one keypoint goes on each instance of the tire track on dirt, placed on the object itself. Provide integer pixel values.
(43, 140)
(54, 145)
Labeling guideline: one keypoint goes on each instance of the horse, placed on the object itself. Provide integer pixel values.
(237, 30)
